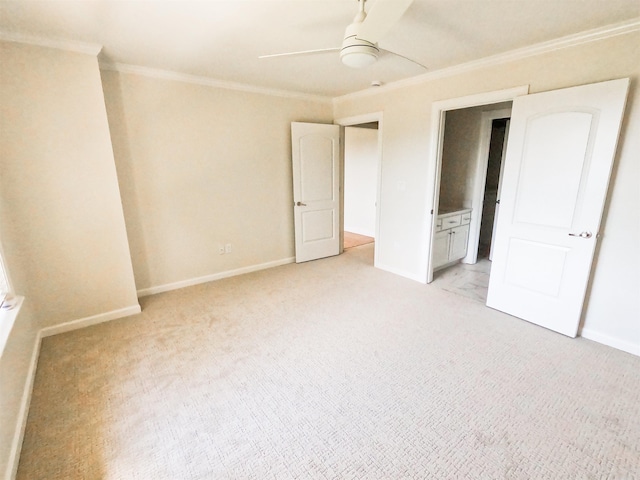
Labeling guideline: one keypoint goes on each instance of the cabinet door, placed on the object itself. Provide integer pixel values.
(459, 240)
(441, 242)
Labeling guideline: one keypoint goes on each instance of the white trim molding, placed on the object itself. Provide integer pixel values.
(568, 41)
(616, 343)
(214, 276)
(402, 273)
(7, 320)
(88, 321)
(92, 49)
(208, 81)
(21, 420)
(23, 413)
(359, 119)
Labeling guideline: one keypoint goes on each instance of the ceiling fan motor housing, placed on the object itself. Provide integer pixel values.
(356, 52)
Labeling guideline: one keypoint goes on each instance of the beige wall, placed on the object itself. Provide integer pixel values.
(67, 251)
(201, 166)
(459, 152)
(61, 220)
(613, 305)
(461, 144)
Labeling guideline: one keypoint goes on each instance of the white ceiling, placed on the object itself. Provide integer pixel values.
(222, 40)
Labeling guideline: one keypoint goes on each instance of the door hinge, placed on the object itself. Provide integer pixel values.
(432, 211)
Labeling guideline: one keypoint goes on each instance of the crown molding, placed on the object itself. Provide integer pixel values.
(207, 81)
(95, 49)
(561, 43)
(569, 41)
(70, 46)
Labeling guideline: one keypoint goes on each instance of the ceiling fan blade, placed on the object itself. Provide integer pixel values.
(402, 56)
(382, 16)
(303, 52)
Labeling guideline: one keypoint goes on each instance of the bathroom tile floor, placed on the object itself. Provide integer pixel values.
(470, 281)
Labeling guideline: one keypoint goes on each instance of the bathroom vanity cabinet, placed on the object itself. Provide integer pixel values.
(451, 237)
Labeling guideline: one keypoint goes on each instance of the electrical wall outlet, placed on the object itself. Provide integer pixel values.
(221, 249)
(228, 248)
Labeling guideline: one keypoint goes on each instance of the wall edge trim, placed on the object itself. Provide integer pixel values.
(616, 343)
(92, 49)
(143, 292)
(587, 36)
(402, 273)
(23, 413)
(208, 81)
(88, 321)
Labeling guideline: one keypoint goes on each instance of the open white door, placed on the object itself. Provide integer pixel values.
(316, 197)
(559, 158)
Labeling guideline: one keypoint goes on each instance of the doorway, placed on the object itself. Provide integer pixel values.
(561, 150)
(456, 217)
(472, 151)
(474, 145)
(361, 180)
(495, 162)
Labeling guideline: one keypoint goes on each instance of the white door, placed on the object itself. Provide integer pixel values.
(316, 197)
(559, 157)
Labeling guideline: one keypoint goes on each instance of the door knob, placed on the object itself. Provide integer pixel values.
(300, 204)
(581, 234)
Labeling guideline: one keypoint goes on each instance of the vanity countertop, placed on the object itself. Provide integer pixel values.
(450, 210)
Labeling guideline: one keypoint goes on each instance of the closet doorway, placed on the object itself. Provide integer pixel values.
(494, 133)
(493, 182)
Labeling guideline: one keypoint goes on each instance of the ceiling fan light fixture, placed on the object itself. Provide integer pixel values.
(356, 52)
(359, 56)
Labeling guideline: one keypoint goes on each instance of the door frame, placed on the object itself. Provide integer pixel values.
(352, 122)
(480, 179)
(438, 112)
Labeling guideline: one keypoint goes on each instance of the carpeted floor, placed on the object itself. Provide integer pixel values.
(329, 370)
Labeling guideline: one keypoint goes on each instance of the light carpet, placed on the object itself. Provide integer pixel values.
(329, 370)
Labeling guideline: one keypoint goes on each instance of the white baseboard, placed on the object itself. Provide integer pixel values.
(21, 423)
(143, 292)
(402, 273)
(628, 347)
(87, 321)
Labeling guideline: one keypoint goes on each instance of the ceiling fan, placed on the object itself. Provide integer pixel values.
(360, 45)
